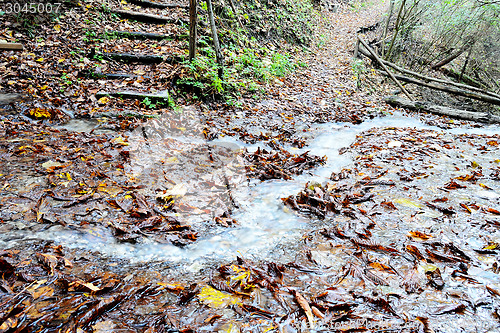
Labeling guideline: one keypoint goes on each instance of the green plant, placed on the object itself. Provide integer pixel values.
(321, 40)
(65, 79)
(148, 103)
(358, 68)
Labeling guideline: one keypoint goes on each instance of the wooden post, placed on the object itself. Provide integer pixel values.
(218, 53)
(192, 29)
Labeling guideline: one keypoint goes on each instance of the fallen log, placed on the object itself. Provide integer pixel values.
(143, 35)
(145, 18)
(465, 78)
(150, 4)
(428, 78)
(451, 90)
(361, 40)
(442, 110)
(11, 46)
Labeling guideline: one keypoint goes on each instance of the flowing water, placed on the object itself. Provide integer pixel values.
(267, 229)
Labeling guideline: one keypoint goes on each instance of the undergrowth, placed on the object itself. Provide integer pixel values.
(253, 56)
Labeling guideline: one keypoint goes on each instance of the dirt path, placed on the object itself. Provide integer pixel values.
(325, 90)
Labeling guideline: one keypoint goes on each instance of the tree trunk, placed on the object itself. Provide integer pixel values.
(452, 90)
(442, 110)
(451, 57)
(218, 53)
(428, 78)
(381, 62)
(192, 29)
(397, 27)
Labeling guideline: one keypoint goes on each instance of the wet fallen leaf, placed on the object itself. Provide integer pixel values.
(216, 299)
(453, 308)
(419, 235)
(106, 326)
(408, 203)
(103, 100)
(492, 211)
(305, 306)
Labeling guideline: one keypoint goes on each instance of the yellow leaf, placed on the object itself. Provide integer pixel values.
(408, 203)
(51, 165)
(103, 100)
(39, 59)
(57, 28)
(44, 291)
(139, 72)
(119, 141)
(492, 246)
(429, 267)
(8, 324)
(217, 299)
(171, 160)
(61, 60)
(40, 113)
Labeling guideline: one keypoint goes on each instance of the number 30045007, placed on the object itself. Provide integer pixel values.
(32, 8)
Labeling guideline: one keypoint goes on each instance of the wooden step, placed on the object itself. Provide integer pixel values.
(143, 35)
(11, 46)
(142, 59)
(132, 58)
(146, 18)
(150, 4)
(109, 76)
(154, 98)
(6, 99)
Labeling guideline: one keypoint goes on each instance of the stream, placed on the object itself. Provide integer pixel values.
(266, 228)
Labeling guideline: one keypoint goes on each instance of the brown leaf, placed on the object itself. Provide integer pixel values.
(453, 308)
(8, 324)
(452, 185)
(382, 267)
(305, 306)
(388, 205)
(415, 252)
(419, 235)
(492, 291)
(435, 278)
(492, 210)
(255, 310)
(49, 261)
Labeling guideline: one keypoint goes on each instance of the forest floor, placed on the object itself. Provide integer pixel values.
(317, 208)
